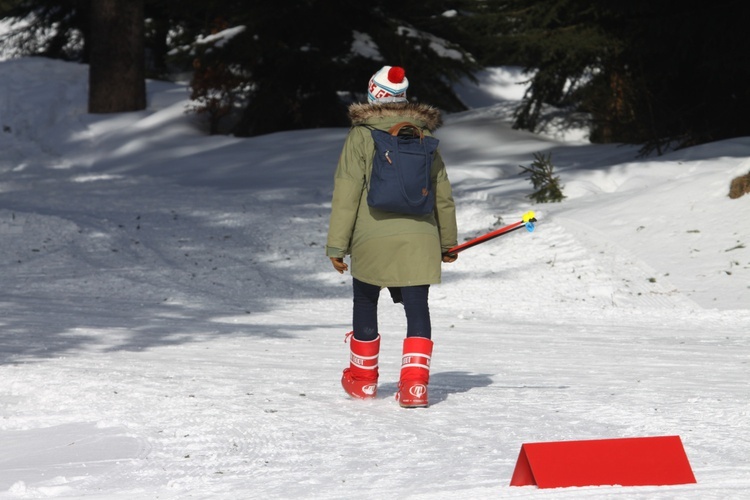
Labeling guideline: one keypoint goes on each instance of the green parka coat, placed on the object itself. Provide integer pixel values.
(388, 249)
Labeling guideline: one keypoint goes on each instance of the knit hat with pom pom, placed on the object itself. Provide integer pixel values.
(389, 84)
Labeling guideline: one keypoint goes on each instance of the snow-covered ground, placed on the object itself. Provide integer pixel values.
(171, 328)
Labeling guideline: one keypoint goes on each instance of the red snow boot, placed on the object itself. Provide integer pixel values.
(415, 372)
(360, 380)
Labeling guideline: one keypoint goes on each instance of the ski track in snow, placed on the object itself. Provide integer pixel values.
(160, 338)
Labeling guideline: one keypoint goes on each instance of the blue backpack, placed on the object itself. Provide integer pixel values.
(400, 181)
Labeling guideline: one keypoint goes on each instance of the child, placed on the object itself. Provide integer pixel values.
(397, 251)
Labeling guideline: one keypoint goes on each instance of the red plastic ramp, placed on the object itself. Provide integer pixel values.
(643, 461)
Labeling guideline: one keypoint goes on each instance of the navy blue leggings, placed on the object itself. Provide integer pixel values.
(414, 298)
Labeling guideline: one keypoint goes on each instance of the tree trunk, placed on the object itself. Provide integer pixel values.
(117, 64)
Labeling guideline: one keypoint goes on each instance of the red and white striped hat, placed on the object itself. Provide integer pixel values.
(388, 84)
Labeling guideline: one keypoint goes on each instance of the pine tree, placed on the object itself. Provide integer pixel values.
(116, 69)
(302, 74)
(291, 64)
(661, 74)
(53, 28)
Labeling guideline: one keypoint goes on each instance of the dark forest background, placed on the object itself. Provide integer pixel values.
(664, 74)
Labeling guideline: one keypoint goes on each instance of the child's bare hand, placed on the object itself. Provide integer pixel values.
(449, 257)
(339, 264)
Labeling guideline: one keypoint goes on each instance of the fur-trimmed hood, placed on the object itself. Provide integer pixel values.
(360, 113)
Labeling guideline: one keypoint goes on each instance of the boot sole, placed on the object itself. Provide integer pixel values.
(413, 405)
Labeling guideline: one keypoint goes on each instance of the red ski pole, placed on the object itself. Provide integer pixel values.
(526, 221)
